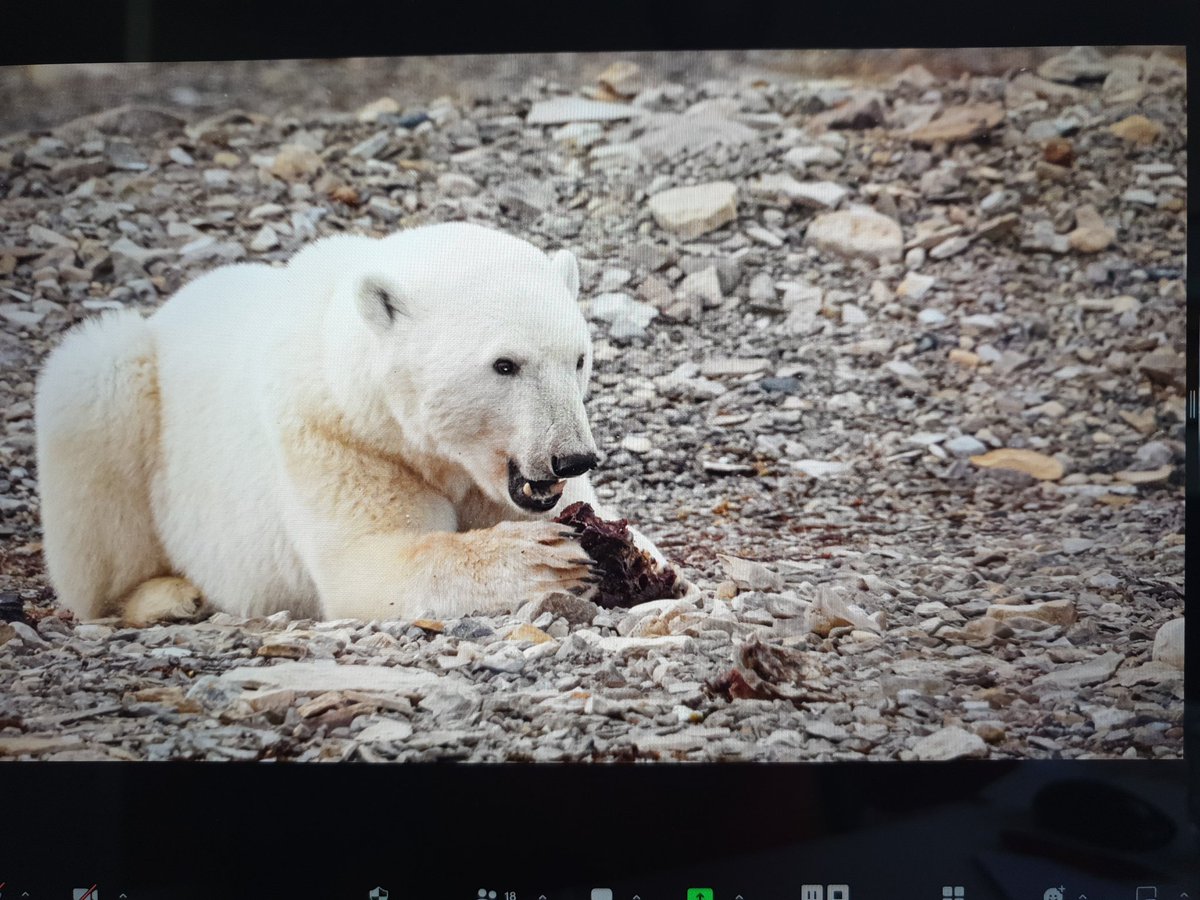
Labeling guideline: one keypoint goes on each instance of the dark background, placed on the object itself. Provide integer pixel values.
(905, 830)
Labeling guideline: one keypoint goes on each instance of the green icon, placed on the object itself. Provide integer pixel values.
(700, 894)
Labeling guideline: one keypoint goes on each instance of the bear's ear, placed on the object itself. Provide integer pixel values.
(567, 267)
(380, 304)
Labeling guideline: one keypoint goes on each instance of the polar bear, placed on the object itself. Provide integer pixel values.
(379, 429)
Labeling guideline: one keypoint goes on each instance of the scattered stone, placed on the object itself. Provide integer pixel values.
(295, 162)
(749, 575)
(693, 211)
(1079, 65)
(1056, 612)
(994, 229)
(560, 110)
(861, 233)
(1082, 674)
(800, 158)
(949, 743)
(622, 79)
(1168, 644)
(1146, 476)
(1091, 235)
(1039, 465)
(959, 123)
(1164, 367)
(1138, 130)
(384, 106)
(265, 239)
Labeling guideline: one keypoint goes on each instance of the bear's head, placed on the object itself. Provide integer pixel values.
(483, 356)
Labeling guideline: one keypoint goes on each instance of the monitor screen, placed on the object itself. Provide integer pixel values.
(775, 410)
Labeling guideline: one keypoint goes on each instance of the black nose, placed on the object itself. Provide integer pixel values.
(575, 464)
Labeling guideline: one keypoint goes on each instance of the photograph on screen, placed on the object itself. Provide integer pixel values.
(764, 406)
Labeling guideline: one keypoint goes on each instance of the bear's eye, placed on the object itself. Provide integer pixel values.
(579, 363)
(505, 367)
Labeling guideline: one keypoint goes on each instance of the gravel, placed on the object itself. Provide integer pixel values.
(931, 508)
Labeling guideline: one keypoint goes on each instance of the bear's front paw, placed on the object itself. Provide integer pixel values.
(544, 557)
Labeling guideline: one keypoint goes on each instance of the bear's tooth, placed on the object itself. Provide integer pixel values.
(527, 490)
(557, 487)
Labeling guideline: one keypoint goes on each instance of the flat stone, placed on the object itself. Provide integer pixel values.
(951, 247)
(637, 444)
(673, 137)
(1056, 612)
(722, 367)
(560, 110)
(965, 445)
(1163, 366)
(327, 675)
(1082, 674)
(1078, 64)
(959, 123)
(37, 744)
(784, 190)
(1146, 476)
(387, 730)
(950, 743)
(1039, 465)
(1138, 130)
(693, 211)
(676, 643)
(749, 575)
(859, 233)
(802, 157)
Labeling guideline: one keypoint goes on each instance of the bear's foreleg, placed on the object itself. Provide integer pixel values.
(449, 574)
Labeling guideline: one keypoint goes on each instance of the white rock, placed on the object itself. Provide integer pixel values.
(693, 211)
(1082, 674)
(731, 366)
(387, 730)
(915, 286)
(455, 184)
(20, 315)
(931, 317)
(266, 239)
(582, 134)
(637, 444)
(704, 284)
(800, 157)
(750, 575)
(965, 445)
(820, 468)
(950, 247)
(858, 233)
(680, 643)
(1168, 644)
(327, 675)
(1136, 195)
(949, 743)
(560, 110)
(852, 315)
(381, 107)
(784, 190)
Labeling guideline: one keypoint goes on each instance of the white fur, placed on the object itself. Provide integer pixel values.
(328, 438)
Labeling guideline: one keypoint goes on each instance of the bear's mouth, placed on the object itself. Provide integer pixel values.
(535, 496)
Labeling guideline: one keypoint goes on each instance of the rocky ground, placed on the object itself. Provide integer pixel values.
(893, 371)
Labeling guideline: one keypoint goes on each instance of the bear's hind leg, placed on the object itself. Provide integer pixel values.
(161, 600)
(96, 418)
